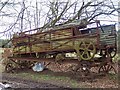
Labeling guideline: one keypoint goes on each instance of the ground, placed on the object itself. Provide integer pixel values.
(17, 82)
(27, 78)
(50, 79)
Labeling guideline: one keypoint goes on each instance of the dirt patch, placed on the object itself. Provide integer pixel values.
(68, 80)
(18, 82)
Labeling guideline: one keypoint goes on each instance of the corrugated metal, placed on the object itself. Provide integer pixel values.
(108, 37)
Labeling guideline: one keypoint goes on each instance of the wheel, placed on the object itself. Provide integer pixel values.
(112, 51)
(9, 68)
(85, 67)
(108, 68)
(59, 57)
(85, 50)
(103, 53)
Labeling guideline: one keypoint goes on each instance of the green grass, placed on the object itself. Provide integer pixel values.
(61, 80)
(49, 78)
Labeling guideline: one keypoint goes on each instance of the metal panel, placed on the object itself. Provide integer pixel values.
(107, 36)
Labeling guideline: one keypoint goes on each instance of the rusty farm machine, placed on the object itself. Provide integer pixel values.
(69, 43)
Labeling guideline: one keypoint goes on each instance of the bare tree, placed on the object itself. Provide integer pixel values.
(53, 12)
(3, 4)
(22, 14)
(85, 10)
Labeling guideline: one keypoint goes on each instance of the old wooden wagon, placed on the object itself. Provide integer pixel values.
(55, 43)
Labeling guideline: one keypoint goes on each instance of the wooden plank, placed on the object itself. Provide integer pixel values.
(61, 34)
(62, 44)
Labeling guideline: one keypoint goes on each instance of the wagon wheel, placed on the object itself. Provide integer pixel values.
(74, 68)
(112, 52)
(85, 50)
(103, 52)
(83, 68)
(59, 57)
(9, 68)
(108, 68)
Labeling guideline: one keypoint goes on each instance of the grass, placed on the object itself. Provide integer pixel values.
(66, 81)
(60, 80)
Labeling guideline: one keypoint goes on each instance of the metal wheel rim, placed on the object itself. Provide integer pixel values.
(107, 69)
(84, 49)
